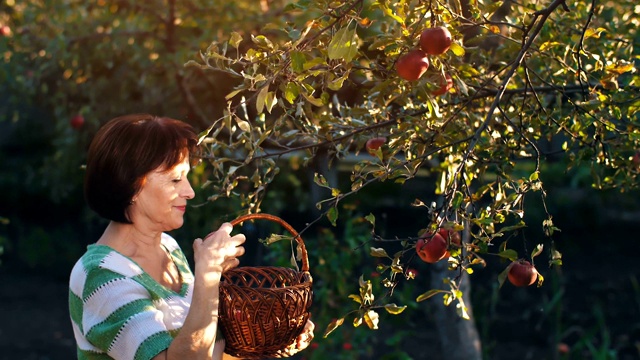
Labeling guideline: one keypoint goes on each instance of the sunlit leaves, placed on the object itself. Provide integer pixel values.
(620, 67)
(235, 39)
(344, 44)
(334, 324)
(429, 294)
(371, 318)
(394, 309)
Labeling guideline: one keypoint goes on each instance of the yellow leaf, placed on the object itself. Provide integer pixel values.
(548, 44)
(457, 49)
(332, 326)
(357, 321)
(593, 32)
(394, 309)
(356, 298)
(371, 318)
(620, 67)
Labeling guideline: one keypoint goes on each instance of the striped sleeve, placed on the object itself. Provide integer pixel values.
(113, 313)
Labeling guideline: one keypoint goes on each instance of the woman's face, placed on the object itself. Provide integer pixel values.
(162, 201)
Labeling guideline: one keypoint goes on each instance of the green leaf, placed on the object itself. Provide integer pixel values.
(320, 180)
(270, 101)
(457, 200)
(430, 293)
(394, 309)
(519, 225)
(378, 252)
(556, 258)
(336, 84)
(297, 61)
(291, 92)
(235, 40)
(502, 277)
(332, 326)
(260, 99)
(371, 219)
(509, 254)
(312, 100)
(344, 44)
(537, 251)
(332, 215)
(262, 41)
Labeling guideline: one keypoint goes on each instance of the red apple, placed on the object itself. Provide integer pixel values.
(5, 30)
(431, 249)
(522, 273)
(436, 40)
(452, 238)
(77, 121)
(374, 144)
(412, 65)
(446, 83)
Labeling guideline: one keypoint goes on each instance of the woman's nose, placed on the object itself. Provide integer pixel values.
(188, 191)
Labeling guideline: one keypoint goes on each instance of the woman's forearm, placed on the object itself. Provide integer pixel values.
(196, 339)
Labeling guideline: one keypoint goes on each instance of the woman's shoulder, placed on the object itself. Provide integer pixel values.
(104, 259)
(98, 266)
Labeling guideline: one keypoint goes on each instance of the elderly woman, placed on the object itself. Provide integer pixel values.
(132, 295)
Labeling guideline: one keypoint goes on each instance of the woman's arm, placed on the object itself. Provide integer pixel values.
(215, 254)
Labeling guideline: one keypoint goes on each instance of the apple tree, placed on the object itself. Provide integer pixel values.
(480, 94)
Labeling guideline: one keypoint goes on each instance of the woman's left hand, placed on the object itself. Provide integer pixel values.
(301, 342)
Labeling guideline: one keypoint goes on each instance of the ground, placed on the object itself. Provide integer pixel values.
(35, 322)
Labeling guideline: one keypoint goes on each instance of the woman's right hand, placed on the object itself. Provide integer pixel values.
(219, 250)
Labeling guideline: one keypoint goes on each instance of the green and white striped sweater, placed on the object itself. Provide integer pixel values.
(120, 312)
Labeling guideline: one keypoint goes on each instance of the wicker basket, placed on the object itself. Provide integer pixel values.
(263, 309)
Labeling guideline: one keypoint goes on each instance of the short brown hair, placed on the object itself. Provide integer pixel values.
(124, 151)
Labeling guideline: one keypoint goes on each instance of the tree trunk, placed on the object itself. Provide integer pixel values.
(458, 337)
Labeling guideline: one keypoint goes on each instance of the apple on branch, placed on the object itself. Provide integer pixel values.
(374, 144)
(77, 121)
(446, 83)
(412, 65)
(435, 40)
(522, 273)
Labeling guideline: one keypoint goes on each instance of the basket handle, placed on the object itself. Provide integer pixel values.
(289, 228)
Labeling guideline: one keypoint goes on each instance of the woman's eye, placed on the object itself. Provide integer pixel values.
(177, 180)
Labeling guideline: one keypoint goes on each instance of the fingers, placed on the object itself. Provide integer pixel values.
(304, 339)
(219, 248)
(230, 264)
(226, 228)
(223, 235)
(309, 326)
